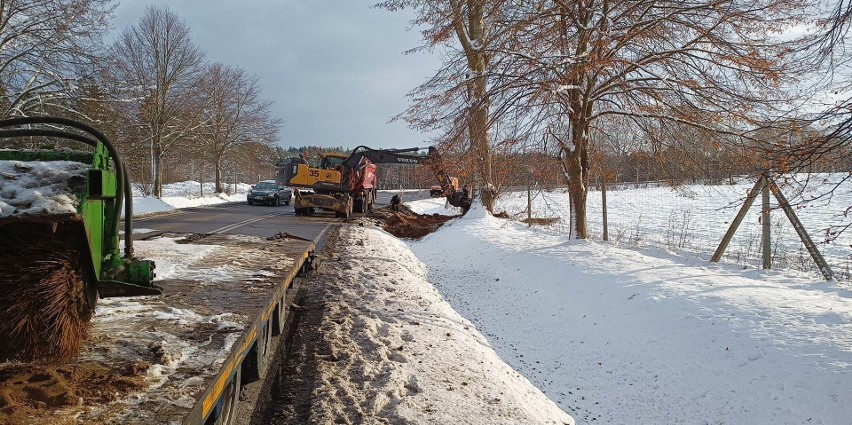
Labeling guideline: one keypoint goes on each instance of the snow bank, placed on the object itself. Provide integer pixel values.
(400, 352)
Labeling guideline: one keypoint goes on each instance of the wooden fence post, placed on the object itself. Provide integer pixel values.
(738, 219)
(800, 230)
(529, 202)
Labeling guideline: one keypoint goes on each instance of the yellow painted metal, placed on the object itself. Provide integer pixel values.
(309, 177)
(219, 386)
(236, 360)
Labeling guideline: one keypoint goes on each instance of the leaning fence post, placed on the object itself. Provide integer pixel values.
(738, 219)
(800, 230)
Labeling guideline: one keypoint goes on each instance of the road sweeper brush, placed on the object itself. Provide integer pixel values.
(60, 212)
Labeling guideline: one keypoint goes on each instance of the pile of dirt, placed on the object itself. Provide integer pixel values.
(407, 223)
(28, 390)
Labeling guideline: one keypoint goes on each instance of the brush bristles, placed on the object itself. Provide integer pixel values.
(44, 315)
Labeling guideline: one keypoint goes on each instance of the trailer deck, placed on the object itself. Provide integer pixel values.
(177, 358)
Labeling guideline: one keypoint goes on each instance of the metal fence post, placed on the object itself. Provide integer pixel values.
(603, 203)
(767, 234)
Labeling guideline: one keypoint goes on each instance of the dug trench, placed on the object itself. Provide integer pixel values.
(305, 347)
(405, 223)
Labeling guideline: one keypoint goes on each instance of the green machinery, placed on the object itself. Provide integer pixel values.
(92, 233)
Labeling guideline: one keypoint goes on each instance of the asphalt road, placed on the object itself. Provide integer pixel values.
(253, 220)
(237, 218)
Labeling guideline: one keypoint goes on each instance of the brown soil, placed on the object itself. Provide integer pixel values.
(27, 390)
(407, 223)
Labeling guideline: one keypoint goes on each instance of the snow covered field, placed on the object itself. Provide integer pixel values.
(626, 335)
(692, 219)
(185, 195)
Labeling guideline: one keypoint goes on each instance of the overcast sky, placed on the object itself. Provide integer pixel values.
(334, 68)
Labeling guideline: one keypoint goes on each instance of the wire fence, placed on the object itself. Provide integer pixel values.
(692, 219)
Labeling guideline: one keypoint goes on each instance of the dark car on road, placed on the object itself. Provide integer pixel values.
(268, 192)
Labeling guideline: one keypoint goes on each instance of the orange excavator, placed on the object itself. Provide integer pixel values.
(346, 184)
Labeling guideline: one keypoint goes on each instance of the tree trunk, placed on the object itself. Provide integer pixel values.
(477, 86)
(575, 160)
(577, 191)
(158, 176)
(156, 170)
(218, 166)
(482, 149)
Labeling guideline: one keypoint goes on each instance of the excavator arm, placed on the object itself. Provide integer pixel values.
(356, 175)
(456, 198)
(384, 156)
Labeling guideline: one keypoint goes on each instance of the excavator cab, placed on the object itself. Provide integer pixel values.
(332, 161)
(297, 172)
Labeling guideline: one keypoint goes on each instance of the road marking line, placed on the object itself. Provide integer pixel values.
(245, 222)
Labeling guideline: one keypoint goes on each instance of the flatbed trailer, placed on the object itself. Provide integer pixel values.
(187, 352)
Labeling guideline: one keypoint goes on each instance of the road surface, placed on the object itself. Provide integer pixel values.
(252, 220)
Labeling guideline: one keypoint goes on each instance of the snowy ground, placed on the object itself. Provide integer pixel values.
(611, 332)
(692, 219)
(399, 353)
(620, 336)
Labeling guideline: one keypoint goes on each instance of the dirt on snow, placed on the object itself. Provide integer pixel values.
(27, 389)
(406, 223)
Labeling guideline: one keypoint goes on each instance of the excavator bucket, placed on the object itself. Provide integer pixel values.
(59, 237)
(455, 197)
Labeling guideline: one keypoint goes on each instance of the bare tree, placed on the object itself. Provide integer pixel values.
(160, 69)
(712, 65)
(46, 47)
(828, 109)
(253, 163)
(234, 114)
(464, 79)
